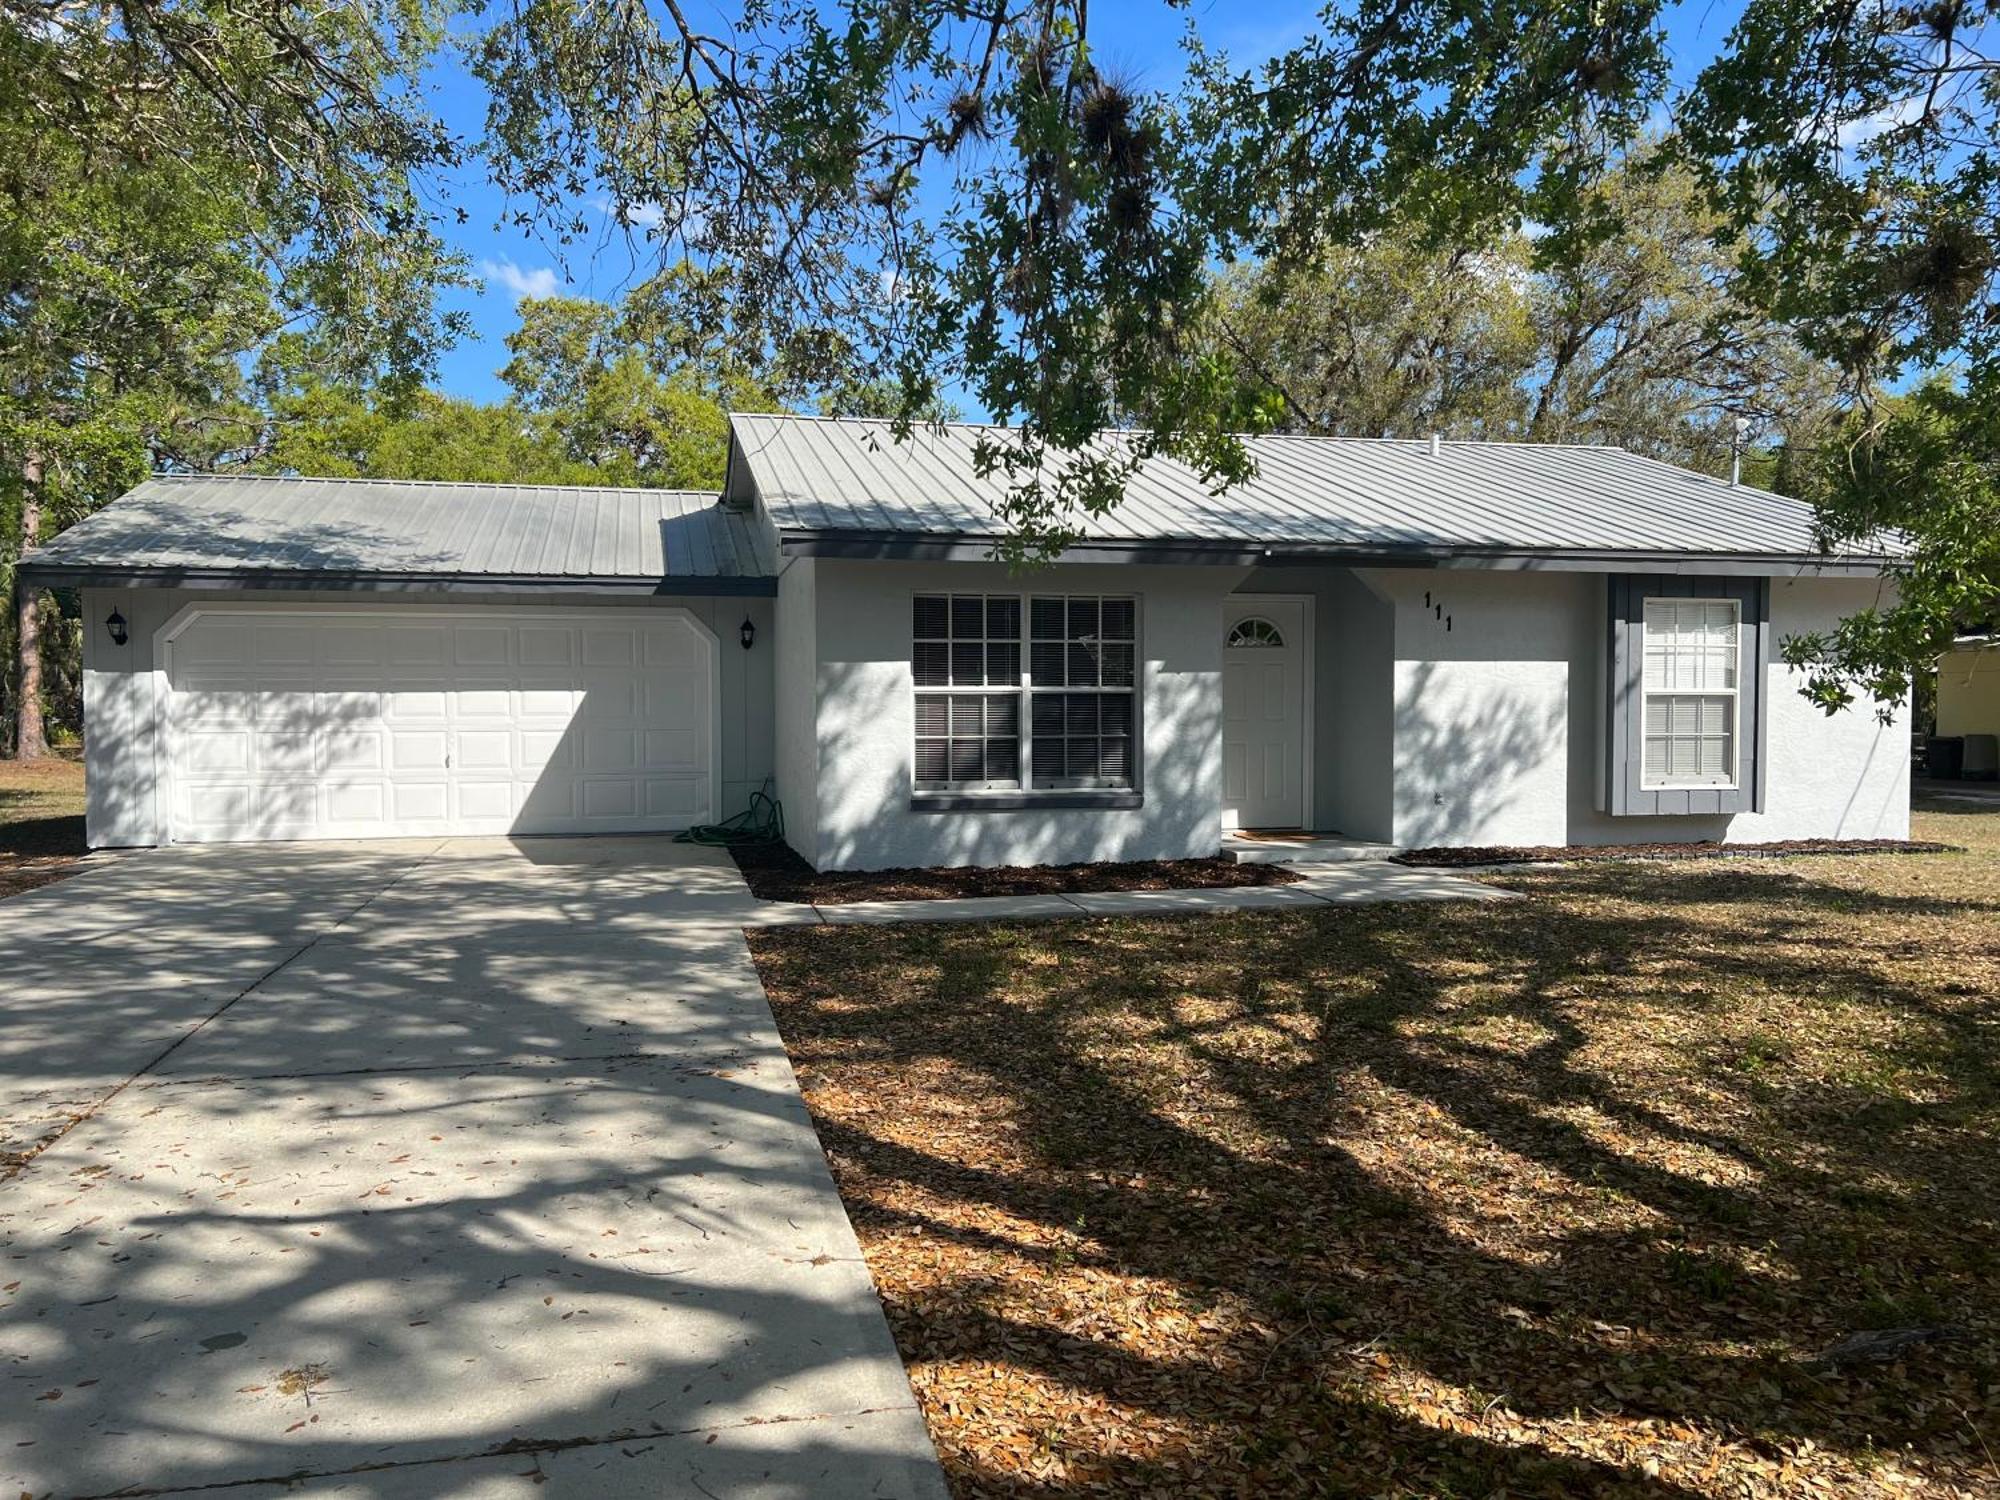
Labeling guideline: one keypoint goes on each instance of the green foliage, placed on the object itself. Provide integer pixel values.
(629, 393)
(1928, 466)
(340, 433)
(1388, 338)
(1630, 337)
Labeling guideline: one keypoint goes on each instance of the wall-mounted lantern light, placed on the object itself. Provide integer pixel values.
(747, 633)
(116, 625)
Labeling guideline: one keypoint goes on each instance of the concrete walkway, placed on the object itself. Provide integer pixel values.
(1351, 884)
(434, 1169)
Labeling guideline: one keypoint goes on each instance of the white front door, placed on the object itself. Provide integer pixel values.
(366, 721)
(1263, 713)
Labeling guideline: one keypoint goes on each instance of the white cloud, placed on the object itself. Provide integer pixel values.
(522, 281)
(1859, 132)
(638, 215)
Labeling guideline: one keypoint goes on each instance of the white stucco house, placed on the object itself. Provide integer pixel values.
(1405, 642)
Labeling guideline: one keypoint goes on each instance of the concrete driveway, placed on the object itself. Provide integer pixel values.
(456, 1168)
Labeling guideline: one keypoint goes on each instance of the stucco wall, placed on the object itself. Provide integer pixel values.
(797, 718)
(1968, 691)
(118, 712)
(866, 717)
(1498, 720)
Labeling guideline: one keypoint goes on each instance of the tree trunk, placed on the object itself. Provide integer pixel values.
(30, 738)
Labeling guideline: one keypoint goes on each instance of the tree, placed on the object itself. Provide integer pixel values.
(1387, 338)
(1927, 465)
(935, 192)
(179, 184)
(342, 433)
(623, 393)
(1643, 341)
(963, 192)
(1632, 337)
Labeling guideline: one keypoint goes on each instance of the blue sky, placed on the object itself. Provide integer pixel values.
(1140, 38)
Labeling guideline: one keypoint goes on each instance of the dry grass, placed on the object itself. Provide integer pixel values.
(1557, 1199)
(41, 821)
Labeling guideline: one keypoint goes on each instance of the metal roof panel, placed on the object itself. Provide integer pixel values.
(256, 524)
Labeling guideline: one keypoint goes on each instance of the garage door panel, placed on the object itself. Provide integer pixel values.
(418, 645)
(325, 723)
(345, 706)
(352, 645)
(610, 704)
(267, 809)
(419, 802)
(673, 798)
(404, 705)
(286, 753)
(676, 645)
(496, 703)
(418, 750)
(540, 749)
(227, 704)
(543, 701)
(211, 643)
(611, 799)
(350, 748)
(610, 750)
(284, 645)
(484, 750)
(676, 749)
(547, 646)
(482, 645)
(484, 801)
(613, 647)
(363, 803)
(668, 692)
(207, 752)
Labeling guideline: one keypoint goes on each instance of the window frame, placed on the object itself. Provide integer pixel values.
(1022, 793)
(1733, 693)
(951, 690)
(1621, 788)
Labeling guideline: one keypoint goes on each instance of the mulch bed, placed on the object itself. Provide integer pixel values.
(1581, 854)
(775, 873)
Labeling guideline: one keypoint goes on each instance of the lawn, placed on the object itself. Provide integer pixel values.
(41, 821)
(1563, 1198)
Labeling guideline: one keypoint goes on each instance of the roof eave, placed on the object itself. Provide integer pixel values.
(968, 547)
(56, 573)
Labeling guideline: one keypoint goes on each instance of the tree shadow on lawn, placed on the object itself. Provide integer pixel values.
(1557, 1198)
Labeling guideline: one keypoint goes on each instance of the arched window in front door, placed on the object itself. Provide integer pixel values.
(1254, 633)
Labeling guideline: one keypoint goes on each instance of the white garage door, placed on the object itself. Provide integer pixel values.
(356, 722)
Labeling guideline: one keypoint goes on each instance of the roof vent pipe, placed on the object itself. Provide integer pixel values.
(1437, 445)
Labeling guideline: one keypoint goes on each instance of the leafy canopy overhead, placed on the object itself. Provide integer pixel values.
(916, 195)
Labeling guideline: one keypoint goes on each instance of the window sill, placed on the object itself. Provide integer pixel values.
(1104, 801)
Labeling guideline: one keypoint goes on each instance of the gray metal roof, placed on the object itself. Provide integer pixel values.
(1371, 496)
(197, 527)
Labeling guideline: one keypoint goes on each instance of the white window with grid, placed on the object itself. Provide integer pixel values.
(1692, 655)
(965, 660)
(1008, 698)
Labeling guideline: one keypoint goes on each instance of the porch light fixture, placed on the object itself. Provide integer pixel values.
(747, 633)
(116, 625)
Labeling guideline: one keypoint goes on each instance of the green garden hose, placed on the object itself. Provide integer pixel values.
(762, 822)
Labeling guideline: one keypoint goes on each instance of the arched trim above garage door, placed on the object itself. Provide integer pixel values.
(356, 721)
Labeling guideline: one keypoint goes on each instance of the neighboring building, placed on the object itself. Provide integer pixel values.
(1462, 643)
(1968, 686)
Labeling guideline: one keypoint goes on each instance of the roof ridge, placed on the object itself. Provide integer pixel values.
(1294, 437)
(444, 484)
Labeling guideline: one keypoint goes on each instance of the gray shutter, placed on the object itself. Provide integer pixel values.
(1624, 739)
